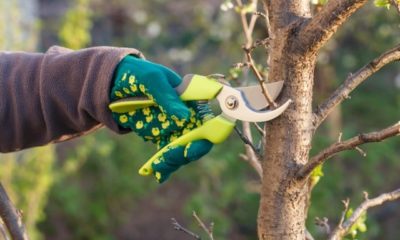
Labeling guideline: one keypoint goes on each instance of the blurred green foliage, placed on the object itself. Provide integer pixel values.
(18, 25)
(27, 177)
(385, 3)
(75, 29)
(359, 225)
(95, 185)
(96, 192)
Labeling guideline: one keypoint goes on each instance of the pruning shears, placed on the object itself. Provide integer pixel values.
(245, 104)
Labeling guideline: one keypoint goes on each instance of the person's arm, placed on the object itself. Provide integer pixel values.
(55, 96)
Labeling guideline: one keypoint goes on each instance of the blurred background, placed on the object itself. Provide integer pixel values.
(89, 188)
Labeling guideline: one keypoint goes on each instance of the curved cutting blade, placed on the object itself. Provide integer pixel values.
(255, 96)
(234, 104)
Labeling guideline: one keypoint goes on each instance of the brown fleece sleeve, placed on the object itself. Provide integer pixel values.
(55, 96)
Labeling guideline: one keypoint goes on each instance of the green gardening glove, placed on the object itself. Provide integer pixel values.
(161, 124)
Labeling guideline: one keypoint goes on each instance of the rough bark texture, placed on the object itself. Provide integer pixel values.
(283, 203)
(295, 40)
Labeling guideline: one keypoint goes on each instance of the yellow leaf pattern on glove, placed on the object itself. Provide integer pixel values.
(149, 118)
(155, 131)
(123, 118)
(118, 94)
(165, 125)
(124, 77)
(126, 90)
(146, 111)
(131, 79)
(139, 125)
(155, 123)
(142, 88)
(133, 88)
(161, 117)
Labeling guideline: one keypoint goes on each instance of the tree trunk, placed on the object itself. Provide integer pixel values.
(284, 201)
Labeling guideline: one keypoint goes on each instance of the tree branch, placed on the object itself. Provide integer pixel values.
(11, 217)
(324, 224)
(246, 140)
(209, 230)
(396, 5)
(179, 227)
(252, 153)
(352, 81)
(308, 235)
(248, 32)
(351, 143)
(3, 230)
(266, 17)
(345, 226)
(317, 31)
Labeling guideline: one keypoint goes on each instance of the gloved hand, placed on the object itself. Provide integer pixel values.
(163, 123)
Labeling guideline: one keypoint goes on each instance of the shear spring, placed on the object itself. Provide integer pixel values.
(204, 110)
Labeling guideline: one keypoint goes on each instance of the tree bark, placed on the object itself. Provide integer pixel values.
(284, 201)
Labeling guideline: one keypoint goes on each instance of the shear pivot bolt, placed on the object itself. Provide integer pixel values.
(231, 102)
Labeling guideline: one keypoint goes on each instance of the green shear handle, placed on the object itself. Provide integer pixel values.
(215, 130)
(193, 87)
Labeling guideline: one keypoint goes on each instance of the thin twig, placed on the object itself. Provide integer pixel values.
(260, 14)
(267, 23)
(253, 21)
(340, 137)
(260, 129)
(396, 5)
(352, 81)
(308, 235)
(244, 157)
(366, 197)
(240, 65)
(362, 152)
(245, 24)
(346, 204)
(11, 217)
(248, 31)
(260, 78)
(324, 224)
(179, 227)
(253, 157)
(208, 230)
(246, 140)
(351, 143)
(252, 153)
(344, 226)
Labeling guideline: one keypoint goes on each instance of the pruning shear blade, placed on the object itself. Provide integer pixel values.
(234, 104)
(255, 96)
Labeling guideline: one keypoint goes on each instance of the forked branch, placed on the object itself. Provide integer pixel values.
(325, 23)
(351, 143)
(352, 81)
(343, 228)
(179, 227)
